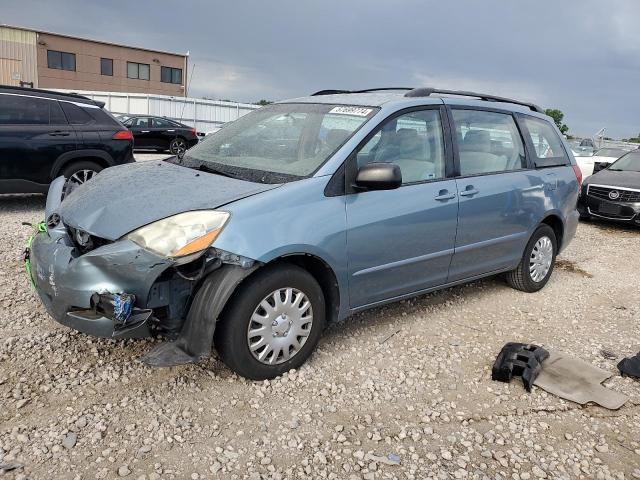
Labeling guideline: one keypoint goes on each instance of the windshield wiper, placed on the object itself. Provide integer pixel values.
(206, 168)
(615, 169)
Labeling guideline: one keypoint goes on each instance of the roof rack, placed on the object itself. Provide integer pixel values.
(75, 96)
(368, 90)
(426, 92)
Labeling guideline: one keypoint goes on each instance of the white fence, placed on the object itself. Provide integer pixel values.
(203, 115)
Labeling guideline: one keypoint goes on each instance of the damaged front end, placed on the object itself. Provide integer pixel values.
(127, 288)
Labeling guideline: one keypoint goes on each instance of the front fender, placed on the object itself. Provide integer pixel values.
(295, 219)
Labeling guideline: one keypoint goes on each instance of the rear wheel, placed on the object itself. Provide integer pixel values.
(537, 262)
(272, 323)
(178, 146)
(78, 173)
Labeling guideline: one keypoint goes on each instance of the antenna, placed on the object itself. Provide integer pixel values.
(186, 92)
(186, 95)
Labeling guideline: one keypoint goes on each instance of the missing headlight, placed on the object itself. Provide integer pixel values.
(84, 241)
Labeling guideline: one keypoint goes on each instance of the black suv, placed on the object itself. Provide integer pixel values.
(159, 133)
(46, 134)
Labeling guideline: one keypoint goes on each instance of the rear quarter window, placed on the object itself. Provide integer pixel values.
(101, 117)
(547, 148)
(75, 114)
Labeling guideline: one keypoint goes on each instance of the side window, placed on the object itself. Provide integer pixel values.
(18, 110)
(56, 116)
(75, 114)
(546, 142)
(141, 122)
(162, 123)
(488, 142)
(413, 141)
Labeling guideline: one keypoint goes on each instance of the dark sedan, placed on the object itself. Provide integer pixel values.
(614, 193)
(161, 134)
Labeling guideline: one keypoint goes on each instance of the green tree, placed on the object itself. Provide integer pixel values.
(557, 116)
(264, 102)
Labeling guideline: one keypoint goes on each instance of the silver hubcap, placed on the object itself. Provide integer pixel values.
(82, 176)
(541, 259)
(280, 326)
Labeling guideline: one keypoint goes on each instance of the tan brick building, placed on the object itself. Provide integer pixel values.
(50, 60)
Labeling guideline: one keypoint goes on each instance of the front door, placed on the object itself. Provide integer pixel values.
(498, 193)
(401, 241)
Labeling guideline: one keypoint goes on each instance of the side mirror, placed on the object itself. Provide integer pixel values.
(379, 176)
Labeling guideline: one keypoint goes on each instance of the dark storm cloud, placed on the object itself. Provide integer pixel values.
(582, 56)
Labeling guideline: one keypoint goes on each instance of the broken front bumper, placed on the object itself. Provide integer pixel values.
(65, 280)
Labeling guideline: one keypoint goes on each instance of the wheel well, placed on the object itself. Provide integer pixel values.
(323, 274)
(100, 161)
(558, 228)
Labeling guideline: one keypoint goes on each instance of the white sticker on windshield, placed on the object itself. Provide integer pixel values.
(358, 111)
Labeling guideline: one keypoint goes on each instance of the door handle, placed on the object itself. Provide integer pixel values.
(59, 134)
(170, 130)
(444, 195)
(469, 191)
(144, 131)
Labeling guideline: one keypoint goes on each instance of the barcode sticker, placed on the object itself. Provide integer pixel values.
(358, 111)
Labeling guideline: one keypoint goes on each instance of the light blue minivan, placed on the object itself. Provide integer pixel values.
(303, 212)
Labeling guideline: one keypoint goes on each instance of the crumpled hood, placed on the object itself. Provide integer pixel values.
(123, 198)
(615, 179)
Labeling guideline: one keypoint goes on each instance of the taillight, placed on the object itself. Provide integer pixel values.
(123, 135)
(193, 130)
(578, 172)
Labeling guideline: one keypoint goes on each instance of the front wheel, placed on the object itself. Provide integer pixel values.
(272, 323)
(537, 262)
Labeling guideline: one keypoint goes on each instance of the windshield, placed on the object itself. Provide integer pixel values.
(610, 152)
(630, 162)
(278, 143)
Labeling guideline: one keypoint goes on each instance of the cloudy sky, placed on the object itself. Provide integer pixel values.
(582, 56)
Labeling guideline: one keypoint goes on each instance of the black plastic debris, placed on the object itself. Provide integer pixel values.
(630, 366)
(520, 360)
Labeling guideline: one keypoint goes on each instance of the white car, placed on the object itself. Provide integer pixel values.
(600, 159)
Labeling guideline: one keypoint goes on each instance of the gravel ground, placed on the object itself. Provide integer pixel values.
(402, 391)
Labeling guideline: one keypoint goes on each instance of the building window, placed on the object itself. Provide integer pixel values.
(139, 71)
(106, 66)
(61, 60)
(171, 75)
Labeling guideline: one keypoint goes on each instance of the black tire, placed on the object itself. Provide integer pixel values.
(76, 168)
(231, 332)
(178, 146)
(521, 278)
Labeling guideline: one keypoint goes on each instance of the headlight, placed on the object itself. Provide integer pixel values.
(183, 234)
